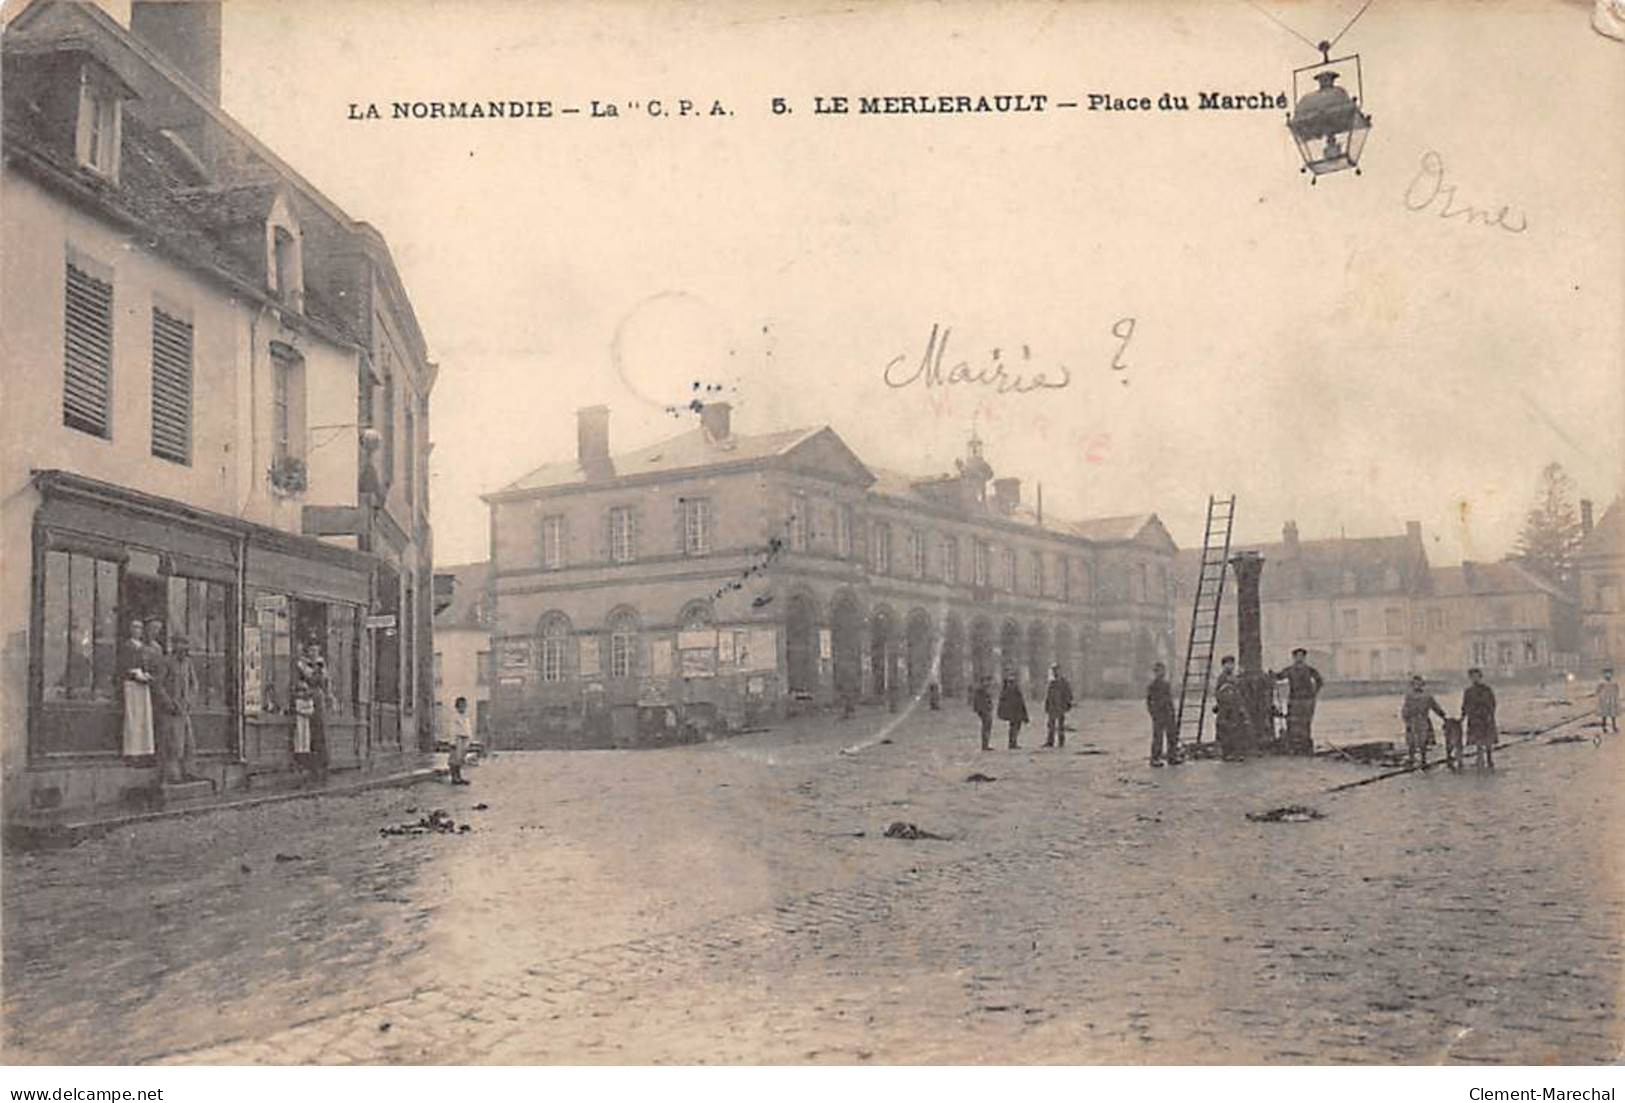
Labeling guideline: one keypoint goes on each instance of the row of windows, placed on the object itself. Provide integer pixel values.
(696, 526)
(1313, 623)
(87, 367)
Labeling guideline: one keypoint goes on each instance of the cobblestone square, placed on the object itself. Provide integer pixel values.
(739, 902)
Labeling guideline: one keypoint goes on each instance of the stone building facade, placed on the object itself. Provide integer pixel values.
(720, 579)
(216, 416)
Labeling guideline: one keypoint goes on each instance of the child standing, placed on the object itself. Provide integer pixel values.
(1608, 701)
(461, 736)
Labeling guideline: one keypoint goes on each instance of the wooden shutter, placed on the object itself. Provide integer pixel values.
(171, 388)
(88, 360)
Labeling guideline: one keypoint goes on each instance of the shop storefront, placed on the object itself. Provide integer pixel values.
(114, 571)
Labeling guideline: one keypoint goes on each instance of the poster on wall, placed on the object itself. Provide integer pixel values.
(253, 675)
(516, 655)
(699, 662)
(695, 639)
(660, 658)
(760, 651)
(824, 644)
(589, 656)
(725, 649)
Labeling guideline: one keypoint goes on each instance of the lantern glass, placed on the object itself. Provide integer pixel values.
(1328, 123)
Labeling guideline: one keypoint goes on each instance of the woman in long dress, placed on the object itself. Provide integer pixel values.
(137, 683)
(309, 683)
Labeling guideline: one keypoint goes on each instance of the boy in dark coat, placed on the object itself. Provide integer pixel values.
(981, 702)
(1012, 707)
(1478, 710)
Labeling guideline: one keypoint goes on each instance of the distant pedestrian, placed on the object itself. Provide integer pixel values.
(933, 696)
(1159, 702)
(1417, 713)
(1478, 711)
(1303, 687)
(1013, 708)
(981, 703)
(1230, 711)
(1608, 701)
(461, 736)
(1057, 703)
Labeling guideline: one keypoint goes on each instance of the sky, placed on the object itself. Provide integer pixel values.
(1328, 354)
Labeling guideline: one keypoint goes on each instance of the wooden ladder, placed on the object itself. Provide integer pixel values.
(1193, 687)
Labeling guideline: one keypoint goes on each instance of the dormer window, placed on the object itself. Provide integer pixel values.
(100, 122)
(284, 261)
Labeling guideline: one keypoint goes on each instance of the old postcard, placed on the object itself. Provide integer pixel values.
(1078, 533)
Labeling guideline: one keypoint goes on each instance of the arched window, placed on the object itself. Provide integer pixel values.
(696, 614)
(623, 643)
(555, 646)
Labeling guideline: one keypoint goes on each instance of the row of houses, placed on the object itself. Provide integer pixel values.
(1374, 610)
(216, 414)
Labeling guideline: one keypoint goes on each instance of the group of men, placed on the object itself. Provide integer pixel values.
(1012, 708)
(1232, 713)
(1234, 721)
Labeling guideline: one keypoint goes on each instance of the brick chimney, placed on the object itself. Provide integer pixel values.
(1585, 516)
(1006, 494)
(1289, 537)
(187, 34)
(716, 418)
(592, 434)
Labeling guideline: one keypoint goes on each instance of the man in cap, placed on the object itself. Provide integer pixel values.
(177, 693)
(1303, 686)
(1159, 702)
(1057, 703)
(1416, 711)
(1230, 710)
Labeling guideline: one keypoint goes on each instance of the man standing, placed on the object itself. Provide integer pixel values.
(1417, 713)
(1303, 686)
(1057, 703)
(981, 702)
(1013, 707)
(1229, 709)
(1159, 702)
(1478, 710)
(1608, 701)
(177, 694)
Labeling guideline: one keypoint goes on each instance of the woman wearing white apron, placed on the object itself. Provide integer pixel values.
(137, 682)
(304, 710)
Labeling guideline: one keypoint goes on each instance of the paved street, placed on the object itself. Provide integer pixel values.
(738, 902)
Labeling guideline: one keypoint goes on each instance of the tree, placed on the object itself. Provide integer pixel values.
(1551, 530)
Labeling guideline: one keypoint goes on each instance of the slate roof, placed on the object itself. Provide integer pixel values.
(690, 451)
(159, 190)
(696, 450)
(467, 594)
(1470, 579)
(1329, 568)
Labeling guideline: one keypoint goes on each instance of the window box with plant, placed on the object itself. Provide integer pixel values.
(288, 475)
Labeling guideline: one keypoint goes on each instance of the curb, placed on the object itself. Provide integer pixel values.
(23, 835)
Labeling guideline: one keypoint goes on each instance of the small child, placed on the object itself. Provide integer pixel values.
(461, 737)
(1454, 753)
(1416, 712)
(1608, 701)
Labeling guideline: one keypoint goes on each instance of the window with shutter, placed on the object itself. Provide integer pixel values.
(88, 359)
(171, 388)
